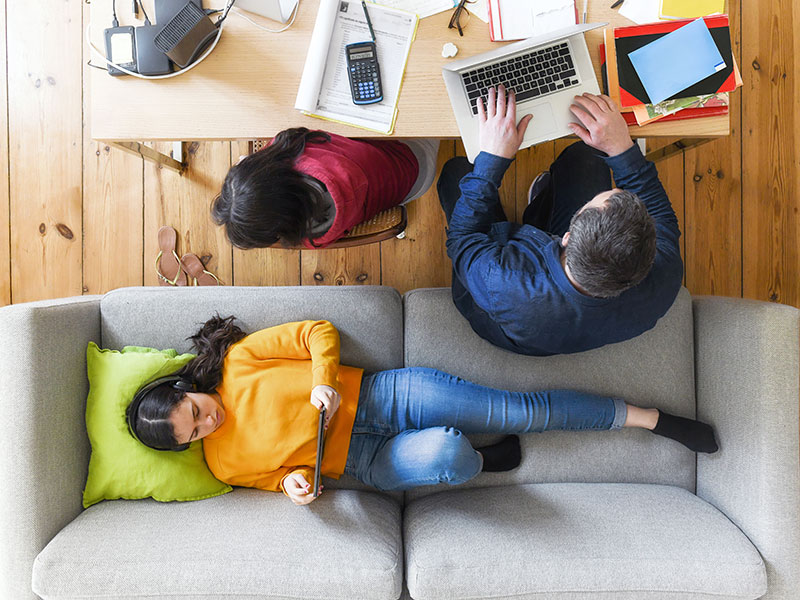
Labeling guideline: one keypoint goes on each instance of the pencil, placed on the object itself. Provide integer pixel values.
(369, 23)
(617, 3)
(585, 9)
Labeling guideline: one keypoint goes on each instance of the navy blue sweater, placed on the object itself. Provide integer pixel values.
(519, 296)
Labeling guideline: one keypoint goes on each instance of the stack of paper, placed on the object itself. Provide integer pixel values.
(520, 19)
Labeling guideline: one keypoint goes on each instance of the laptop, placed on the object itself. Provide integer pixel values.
(545, 72)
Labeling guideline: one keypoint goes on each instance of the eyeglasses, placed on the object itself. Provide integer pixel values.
(460, 16)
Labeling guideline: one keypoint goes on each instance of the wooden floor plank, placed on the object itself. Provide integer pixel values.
(183, 201)
(5, 249)
(112, 194)
(420, 258)
(670, 172)
(713, 192)
(771, 184)
(360, 265)
(45, 143)
(263, 266)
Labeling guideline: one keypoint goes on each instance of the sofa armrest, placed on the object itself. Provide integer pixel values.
(45, 454)
(746, 355)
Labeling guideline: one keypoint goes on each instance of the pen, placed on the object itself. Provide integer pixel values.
(369, 23)
(585, 9)
(617, 3)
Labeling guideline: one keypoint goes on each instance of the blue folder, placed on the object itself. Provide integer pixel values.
(677, 60)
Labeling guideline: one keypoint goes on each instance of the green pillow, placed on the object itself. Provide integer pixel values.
(120, 466)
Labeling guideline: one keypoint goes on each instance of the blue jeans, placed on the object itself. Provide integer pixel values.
(410, 424)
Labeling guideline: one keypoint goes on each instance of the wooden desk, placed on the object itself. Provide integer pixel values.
(246, 88)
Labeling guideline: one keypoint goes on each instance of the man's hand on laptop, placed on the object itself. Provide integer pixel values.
(603, 126)
(498, 131)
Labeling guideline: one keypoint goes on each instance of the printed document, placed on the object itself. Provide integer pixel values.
(324, 86)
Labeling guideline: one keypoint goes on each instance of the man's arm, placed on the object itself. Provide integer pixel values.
(468, 245)
(603, 127)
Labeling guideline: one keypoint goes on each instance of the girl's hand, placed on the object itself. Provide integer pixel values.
(325, 395)
(298, 489)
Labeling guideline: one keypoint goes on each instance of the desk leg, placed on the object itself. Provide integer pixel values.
(149, 154)
(675, 148)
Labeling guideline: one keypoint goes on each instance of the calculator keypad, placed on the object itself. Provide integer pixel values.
(365, 81)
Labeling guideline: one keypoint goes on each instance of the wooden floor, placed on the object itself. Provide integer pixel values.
(81, 218)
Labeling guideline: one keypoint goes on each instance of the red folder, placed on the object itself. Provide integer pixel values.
(628, 39)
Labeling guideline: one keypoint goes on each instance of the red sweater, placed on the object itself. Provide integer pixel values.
(363, 178)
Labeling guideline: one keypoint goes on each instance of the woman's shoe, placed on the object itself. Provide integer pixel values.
(168, 266)
(196, 270)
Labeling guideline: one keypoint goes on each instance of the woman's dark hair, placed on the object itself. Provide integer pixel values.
(264, 199)
(149, 417)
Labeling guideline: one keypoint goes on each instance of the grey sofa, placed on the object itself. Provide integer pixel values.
(601, 515)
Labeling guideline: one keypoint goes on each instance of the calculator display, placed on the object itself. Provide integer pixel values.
(361, 55)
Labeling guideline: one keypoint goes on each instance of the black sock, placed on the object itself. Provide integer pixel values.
(695, 435)
(502, 456)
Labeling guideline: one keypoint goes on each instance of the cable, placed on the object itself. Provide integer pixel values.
(141, 5)
(114, 20)
(140, 76)
(289, 24)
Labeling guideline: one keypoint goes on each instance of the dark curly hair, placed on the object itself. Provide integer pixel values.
(151, 424)
(265, 200)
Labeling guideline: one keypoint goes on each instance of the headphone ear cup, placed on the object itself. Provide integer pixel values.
(184, 385)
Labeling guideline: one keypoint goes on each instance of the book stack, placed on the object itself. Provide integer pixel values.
(646, 77)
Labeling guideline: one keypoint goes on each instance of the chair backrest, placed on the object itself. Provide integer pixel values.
(653, 369)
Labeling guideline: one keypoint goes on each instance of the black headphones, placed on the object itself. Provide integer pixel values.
(132, 412)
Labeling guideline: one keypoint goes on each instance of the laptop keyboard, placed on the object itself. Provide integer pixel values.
(536, 73)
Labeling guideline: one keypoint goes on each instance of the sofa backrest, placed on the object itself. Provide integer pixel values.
(653, 369)
(369, 319)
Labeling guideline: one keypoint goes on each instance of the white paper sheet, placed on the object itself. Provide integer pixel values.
(521, 19)
(423, 8)
(641, 11)
(324, 86)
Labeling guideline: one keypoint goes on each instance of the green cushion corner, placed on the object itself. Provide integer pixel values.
(121, 467)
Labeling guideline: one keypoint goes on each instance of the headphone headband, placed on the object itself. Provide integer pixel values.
(132, 413)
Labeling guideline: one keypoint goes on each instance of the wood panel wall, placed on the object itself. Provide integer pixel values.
(81, 217)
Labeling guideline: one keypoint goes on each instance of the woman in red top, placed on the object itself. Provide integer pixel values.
(312, 187)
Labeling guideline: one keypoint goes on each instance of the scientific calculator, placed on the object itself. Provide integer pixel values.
(364, 73)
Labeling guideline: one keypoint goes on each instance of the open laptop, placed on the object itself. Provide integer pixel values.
(545, 72)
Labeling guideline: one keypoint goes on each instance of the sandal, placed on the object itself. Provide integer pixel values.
(196, 270)
(168, 265)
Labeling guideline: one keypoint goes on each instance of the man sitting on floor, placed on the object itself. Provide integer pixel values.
(591, 265)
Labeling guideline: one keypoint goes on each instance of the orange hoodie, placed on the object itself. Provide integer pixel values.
(270, 427)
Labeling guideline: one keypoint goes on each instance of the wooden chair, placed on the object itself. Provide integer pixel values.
(383, 226)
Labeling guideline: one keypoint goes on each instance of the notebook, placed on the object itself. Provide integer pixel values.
(520, 19)
(677, 60)
(688, 9)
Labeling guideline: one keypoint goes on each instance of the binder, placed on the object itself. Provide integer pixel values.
(625, 40)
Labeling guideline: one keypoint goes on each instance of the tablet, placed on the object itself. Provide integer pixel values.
(320, 446)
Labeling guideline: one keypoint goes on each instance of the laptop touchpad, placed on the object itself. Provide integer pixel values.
(542, 123)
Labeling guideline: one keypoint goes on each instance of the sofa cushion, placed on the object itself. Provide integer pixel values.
(369, 318)
(655, 369)
(564, 541)
(248, 543)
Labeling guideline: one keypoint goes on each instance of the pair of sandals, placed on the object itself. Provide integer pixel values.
(176, 271)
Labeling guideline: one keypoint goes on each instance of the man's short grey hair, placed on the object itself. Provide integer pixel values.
(611, 249)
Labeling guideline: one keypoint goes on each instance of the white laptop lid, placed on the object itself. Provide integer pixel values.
(551, 113)
(277, 10)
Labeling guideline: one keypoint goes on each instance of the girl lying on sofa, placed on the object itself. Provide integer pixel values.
(254, 400)
(311, 187)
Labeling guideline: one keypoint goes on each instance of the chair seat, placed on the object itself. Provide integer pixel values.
(577, 541)
(248, 543)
